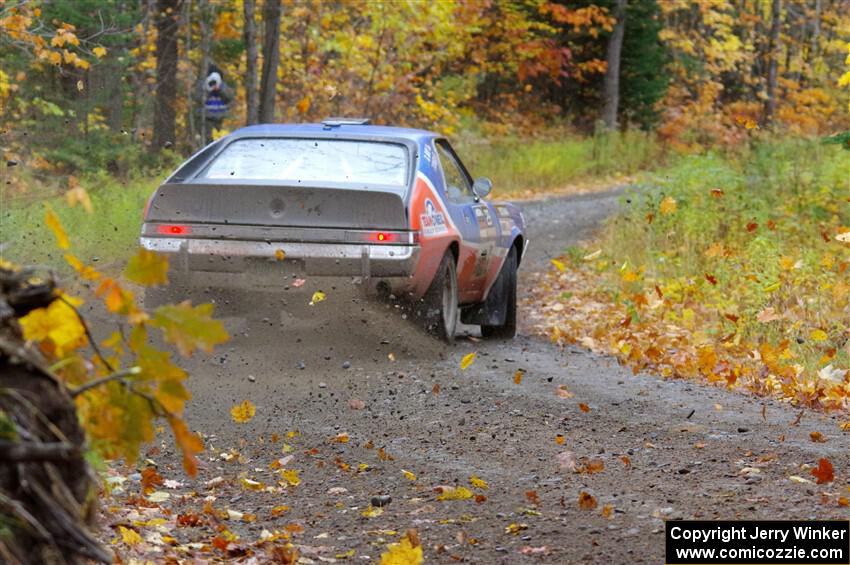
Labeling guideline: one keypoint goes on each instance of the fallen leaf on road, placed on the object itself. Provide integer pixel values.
(356, 404)
(563, 392)
(456, 493)
(408, 475)
(796, 479)
(280, 254)
(817, 437)
(130, 537)
(559, 265)
(243, 412)
(528, 550)
(372, 511)
(532, 497)
(626, 461)
(608, 511)
(340, 438)
(824, 472)
(567, 460)
(291, 477)
(586, 501)
(559, 439)
(318, 296)
(249, 484)
(467, 360)
(479, 483)
(518, 376)
(583, 407)
(515, 528)
(408, 551)
(298, 283)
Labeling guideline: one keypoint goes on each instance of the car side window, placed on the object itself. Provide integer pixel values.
(458, 186)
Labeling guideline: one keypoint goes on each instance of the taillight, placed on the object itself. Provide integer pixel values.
(171, 229)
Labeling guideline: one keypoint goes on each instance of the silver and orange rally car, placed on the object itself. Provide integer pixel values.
(391, 209)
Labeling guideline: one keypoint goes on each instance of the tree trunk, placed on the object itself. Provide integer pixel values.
(816, 32)
(205, 17)
(167, 28)
(252, 115)
(271, 58)
(772, 63)
(611, 90)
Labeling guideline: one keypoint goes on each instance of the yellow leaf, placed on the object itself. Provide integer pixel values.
(249, 484)
(457, 493)
(668, 205)
(244, 412)
(57, 326)
(408, 475)
(55, 58)
(279, 254)
(318, 296)
(514, 528)
(372, 511)
(340, 438)
(467, 360)
(99, 52)
(78, 195)
(818, 335)
(130, 537)
(559, 439)
(407, 551)
(479, 483)
(291, 477)
(559, 265)
(147, 268)
(80, 85)
(518, 377)
(278, 510)
(52, 221)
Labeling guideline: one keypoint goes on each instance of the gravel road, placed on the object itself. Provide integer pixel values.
(670, 448)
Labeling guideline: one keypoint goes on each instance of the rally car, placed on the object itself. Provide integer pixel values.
(392, 209)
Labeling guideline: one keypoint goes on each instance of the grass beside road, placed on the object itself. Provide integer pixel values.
(524, 167)
(725, 268)
(108, 234)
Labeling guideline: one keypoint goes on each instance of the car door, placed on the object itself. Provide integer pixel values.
(476, 221)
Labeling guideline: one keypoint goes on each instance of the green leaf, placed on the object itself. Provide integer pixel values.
(190, 327)
(147, 268)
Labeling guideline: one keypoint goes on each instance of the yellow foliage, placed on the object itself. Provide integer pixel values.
(243, 412)
(407, 551)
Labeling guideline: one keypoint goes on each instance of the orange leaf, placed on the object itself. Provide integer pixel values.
(586, 501)
(583, 407)
(824, 473)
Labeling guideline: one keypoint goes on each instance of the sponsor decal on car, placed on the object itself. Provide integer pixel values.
(433, 222)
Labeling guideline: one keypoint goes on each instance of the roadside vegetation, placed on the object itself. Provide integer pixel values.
(730, 267)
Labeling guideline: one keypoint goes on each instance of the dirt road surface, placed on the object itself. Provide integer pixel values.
(670, 449)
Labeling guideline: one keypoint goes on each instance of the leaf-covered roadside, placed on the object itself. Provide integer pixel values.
(730, 269)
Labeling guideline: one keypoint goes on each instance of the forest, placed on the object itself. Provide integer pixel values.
(711, 136)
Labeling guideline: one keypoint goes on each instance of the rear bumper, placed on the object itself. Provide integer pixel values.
(229, 263)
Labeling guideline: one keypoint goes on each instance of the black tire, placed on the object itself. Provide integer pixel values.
(441, 307)
(505, 287)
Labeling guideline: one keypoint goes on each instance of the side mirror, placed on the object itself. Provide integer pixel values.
(482, 187)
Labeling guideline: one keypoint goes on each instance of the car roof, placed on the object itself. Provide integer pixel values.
(321, 130)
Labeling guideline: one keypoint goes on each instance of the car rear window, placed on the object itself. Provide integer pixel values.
(300, 161)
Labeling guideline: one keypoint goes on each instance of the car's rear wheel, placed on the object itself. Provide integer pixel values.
(505, 298)
(441, 310)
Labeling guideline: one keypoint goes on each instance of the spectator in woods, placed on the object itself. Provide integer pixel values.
(214, 97)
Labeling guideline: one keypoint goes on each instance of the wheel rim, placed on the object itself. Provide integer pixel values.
(449, 302)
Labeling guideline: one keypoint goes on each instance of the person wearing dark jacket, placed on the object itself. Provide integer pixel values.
(213, 96)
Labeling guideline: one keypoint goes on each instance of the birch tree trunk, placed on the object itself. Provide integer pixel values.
(611, 90)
